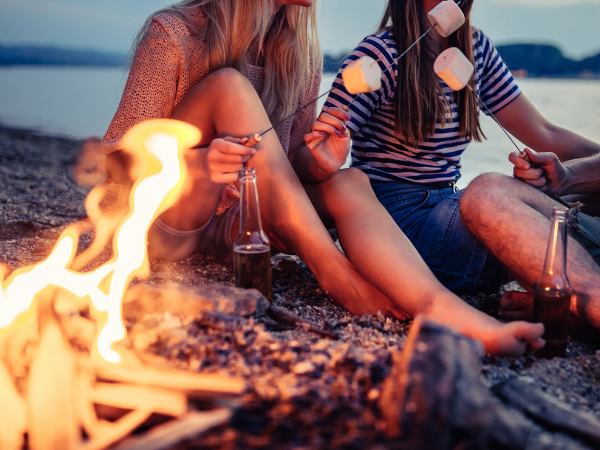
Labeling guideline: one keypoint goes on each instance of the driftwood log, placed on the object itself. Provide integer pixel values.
(192, 301)
(434, 399)
(548, 411)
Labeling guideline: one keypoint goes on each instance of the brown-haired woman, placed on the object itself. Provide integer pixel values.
(409, 135)
(231, 68)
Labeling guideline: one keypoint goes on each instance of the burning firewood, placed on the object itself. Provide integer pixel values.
(12, 413)
(52, 421)
(167, 435)
(193, 384)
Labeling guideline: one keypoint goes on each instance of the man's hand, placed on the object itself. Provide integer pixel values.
(543, 171)
(329, 141)
(221, 161)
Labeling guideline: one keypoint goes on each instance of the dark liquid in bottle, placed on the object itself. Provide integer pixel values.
(253, 270)
(552, 309)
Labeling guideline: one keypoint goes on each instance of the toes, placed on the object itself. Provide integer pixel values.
(529, 332)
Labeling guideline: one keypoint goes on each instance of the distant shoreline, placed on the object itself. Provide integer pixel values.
(524, 60)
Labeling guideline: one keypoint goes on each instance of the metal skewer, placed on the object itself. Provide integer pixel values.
(251, 141)
(522, 153)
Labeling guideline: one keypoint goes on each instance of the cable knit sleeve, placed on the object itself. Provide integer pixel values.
(151, 86)
(304, 120)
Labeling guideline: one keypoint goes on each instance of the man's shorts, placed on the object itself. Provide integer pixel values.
(214, 237)
(586, 230)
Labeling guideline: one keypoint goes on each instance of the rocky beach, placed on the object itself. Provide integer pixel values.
(316, 383)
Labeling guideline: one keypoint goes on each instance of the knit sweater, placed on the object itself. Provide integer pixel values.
(167, 64)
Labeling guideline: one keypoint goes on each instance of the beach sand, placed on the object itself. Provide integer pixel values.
(306, 391)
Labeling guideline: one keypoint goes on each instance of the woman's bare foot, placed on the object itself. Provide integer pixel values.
(350, 290)
(503, 339)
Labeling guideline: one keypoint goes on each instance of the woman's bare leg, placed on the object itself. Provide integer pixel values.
(226, 104)
(386, 258)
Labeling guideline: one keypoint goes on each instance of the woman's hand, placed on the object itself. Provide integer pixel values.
(221, 161)
(329, 141)
(543, 171)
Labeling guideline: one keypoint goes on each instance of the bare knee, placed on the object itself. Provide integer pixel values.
(482, 191)
(227, 81)
(224, 90)
(350, 180)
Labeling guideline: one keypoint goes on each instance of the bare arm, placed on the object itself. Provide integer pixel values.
(526, 123)
(577, 176)
(326, 147)
(582, 176)
(220, 162)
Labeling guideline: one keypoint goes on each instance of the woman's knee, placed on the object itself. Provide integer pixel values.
(351, 180)
(224, 88)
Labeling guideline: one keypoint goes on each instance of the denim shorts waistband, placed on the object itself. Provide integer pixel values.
(412, 184)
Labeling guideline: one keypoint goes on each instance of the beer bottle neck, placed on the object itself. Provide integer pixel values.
(555, 265)
(251, 234)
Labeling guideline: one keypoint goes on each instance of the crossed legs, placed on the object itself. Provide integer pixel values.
(513, 220)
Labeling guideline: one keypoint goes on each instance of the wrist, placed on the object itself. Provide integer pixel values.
(566, 184)
(196, 161)
(327, 171)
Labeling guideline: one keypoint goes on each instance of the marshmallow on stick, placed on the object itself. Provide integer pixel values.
(362, 75)
(454, 68)
(448, 17)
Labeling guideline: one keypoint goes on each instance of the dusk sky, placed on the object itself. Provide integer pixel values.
(109, 25)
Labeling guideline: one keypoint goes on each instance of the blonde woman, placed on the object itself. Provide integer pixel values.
(231, 68)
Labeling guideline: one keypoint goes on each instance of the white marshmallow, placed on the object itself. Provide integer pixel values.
(448, 16)
(454, 68)
(362, 75)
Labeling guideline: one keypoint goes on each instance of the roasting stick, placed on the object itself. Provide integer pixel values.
(522, 153)
(347, 107)
(255, 139)
(456, 71)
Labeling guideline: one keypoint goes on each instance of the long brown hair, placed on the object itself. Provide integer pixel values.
(289, 41)
(418, 106)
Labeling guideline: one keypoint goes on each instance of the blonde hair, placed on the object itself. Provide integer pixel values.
(418, 106)
(288, 40)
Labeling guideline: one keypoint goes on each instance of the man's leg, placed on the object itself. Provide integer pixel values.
(513, 220)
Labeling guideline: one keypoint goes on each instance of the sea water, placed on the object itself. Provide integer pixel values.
(80, 102)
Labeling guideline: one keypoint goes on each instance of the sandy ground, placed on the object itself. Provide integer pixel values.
(306, 391)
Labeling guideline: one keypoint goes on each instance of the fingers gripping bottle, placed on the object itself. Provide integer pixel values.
(251, 248)
(552, 290)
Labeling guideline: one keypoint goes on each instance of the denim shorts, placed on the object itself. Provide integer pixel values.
(429, 216)
(214, 237)
(587, 232)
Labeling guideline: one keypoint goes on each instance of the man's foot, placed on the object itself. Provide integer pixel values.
(516, 305)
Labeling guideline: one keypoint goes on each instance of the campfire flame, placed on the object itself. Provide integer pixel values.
(162, 143)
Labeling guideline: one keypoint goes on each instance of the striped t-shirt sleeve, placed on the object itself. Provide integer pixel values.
(498, 87)
(363, 105)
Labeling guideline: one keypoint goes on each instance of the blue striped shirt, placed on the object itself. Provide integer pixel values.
(375, 148)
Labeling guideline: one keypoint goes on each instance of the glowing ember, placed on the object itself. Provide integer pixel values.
(161, 142)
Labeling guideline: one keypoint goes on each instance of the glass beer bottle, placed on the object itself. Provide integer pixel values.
(552, 290)
(251, 248)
